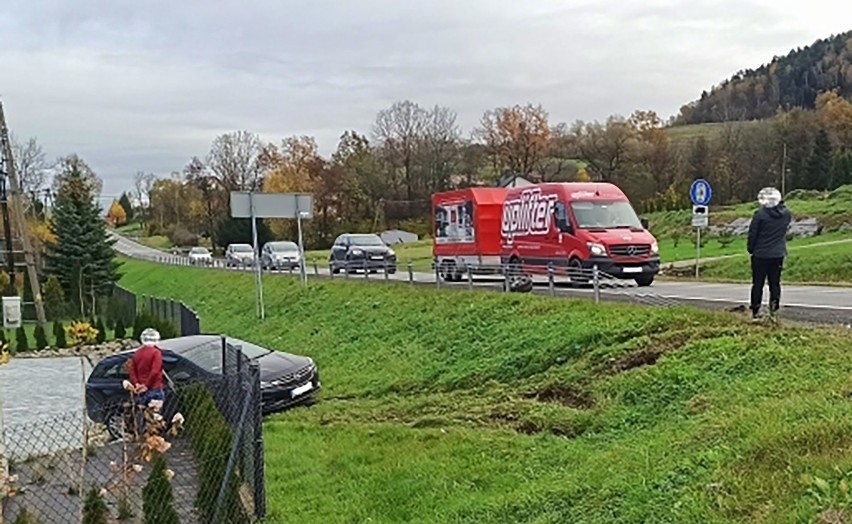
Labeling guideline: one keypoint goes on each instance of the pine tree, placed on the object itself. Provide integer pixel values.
(157, 496)
(120, 332)
(99, 325)
(819, 165)
(59, 335)
(40, 338)
(27, 300)
(54, 298)
(841, 170)
(22, 344)
(95, 510)
(128, 207)
(81, 236)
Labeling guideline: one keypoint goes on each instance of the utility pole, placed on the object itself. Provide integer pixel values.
(17, 214)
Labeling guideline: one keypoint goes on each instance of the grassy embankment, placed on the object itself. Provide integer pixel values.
(450, 406)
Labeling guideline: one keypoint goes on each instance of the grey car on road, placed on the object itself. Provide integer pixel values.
(280, 255)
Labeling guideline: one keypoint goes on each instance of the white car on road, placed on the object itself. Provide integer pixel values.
(200, 256)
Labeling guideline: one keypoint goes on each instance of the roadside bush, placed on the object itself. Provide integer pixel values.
(182, 237)
(101, 337)
(157, 496)
(59, 335)
(81, 333)
(120, 332)
(40, 338)
(22, 344)
(54, 298)
(95, 509)
(145, 320)
(210, 438)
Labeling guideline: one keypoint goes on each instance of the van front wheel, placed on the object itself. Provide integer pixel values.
(644, 281)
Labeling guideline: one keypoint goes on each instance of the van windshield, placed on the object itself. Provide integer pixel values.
(605, 215)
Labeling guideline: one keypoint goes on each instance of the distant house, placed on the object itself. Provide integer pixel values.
(513, 180)
(397, 236)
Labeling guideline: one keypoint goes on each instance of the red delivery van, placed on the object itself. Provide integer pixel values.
(575, 226)
(467, 231)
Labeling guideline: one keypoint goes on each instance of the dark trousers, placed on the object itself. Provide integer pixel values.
(763, 269)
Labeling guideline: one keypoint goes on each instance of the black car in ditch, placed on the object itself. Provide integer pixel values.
(286, 380)
(352, 253)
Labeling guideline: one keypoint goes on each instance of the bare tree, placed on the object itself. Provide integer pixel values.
(234, 160)
(143, 183)
(399, 132)
(30, 164)
(440, 147)
(606, 148)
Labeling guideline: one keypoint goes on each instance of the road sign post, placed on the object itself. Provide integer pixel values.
(700, 193)
(298, 206)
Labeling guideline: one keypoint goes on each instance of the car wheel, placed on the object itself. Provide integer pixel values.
(116, 424)
(644, 281)
(577, 273)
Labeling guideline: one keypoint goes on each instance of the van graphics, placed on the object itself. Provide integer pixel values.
(454, 223)
(529, 214)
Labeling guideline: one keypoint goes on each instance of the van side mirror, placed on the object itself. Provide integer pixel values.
(644, 222)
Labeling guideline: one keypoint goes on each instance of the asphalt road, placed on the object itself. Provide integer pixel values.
(819, 304)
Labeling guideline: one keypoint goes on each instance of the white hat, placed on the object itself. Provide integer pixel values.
(149, 337)
(769, 197)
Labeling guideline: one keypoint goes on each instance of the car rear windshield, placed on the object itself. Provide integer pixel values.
(251, 351)
(365, 240)
(284, 246)
(605, 215)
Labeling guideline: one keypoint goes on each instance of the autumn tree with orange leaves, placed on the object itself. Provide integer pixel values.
(517, 138)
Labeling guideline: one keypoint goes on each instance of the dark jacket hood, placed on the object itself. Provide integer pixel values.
(779, 211)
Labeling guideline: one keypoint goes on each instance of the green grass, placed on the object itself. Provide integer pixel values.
(476, 407)
(816, 265)
(131, 229)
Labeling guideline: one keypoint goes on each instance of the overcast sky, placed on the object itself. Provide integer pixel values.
(145, 85)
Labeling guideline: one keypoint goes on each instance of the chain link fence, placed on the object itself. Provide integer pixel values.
(195, 457)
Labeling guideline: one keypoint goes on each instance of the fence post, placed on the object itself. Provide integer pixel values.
(387, 277)
(366, 270)
(506, 277)
(330, 270)
(232, 458)
(596, 283)
(259, 476)
(469, 279)
(316, 268)
(437, 276)
(410, 273)
(550, 280)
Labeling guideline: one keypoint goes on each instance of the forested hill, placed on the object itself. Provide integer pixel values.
(791, 81)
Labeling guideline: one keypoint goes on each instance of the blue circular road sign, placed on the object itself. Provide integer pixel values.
(700, 192)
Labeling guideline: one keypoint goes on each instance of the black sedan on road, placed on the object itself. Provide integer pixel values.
(285, 380)
(351, 253)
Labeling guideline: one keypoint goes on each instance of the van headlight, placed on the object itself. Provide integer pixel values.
(655, 248)
(596, 249)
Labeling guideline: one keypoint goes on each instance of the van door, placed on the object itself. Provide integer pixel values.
(566, 240)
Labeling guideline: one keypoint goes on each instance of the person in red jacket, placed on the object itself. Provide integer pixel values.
(146, 370)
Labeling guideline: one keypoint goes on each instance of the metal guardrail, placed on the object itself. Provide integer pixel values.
(551, 280)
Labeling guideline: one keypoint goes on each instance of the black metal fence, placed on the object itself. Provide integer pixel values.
(196, 457)
(184, 319)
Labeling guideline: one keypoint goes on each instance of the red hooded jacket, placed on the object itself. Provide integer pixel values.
(146, 367)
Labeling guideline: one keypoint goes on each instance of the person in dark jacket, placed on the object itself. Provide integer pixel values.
(767, 245)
